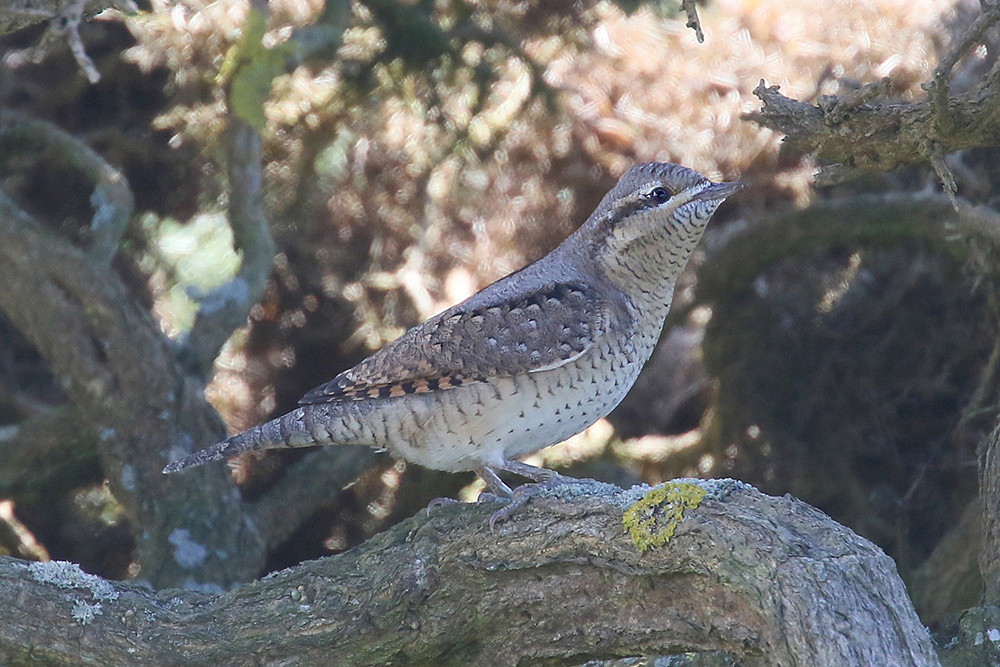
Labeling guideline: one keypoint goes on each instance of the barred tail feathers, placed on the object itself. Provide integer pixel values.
(303, 427)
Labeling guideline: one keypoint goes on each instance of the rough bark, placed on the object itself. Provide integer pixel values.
(770, 580)
(878, 137)
(116, 367)
(989, 489)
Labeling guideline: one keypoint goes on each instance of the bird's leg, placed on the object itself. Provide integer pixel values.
(496, 490)
(542, 479)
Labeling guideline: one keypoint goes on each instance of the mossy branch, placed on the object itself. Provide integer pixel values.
(765, 580)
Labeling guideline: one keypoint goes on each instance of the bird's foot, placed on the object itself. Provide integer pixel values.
(496, 491)
(523, 493)
(490, 497)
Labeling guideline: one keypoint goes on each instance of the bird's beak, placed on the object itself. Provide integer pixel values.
(719, 191)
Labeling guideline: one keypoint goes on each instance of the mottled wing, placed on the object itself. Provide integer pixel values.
(531, 332)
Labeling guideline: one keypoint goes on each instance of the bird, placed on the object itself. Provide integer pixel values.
(527, 361)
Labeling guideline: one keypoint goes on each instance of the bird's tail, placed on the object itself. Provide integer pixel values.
(291, 430)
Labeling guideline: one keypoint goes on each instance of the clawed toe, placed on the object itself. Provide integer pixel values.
(521, 495)
(501, 515)
(543, 479)
(439, 502)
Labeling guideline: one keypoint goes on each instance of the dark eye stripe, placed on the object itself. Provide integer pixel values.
(627, 206)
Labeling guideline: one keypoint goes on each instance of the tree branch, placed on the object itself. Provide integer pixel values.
(56, 443)
(989, 490)
(939, 87)
(116, 367)
(877, 137)
(225, 309)
(690, 7)
(315, 480)
(112, 198)
(771, 580)
(855, 134)
(23, 13)
(872, 220)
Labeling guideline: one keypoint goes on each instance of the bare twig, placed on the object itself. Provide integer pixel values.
(939, 87)
(935, 156)
(68, 23)
(690, 8)
(19, 14)
(64, 17)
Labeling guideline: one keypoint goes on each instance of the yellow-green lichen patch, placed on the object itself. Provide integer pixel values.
(652, 521)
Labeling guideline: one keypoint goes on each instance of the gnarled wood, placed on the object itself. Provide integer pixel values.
(770, 580)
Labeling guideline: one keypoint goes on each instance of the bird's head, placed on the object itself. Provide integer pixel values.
(645, 228)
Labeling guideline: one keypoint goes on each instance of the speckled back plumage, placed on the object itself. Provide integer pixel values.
(480, 339)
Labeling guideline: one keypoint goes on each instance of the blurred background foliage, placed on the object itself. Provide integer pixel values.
(417, 150)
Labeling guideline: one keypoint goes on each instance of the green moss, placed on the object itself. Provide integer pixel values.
(652, 521)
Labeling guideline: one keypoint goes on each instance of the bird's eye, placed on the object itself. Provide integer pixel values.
(659, 195)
